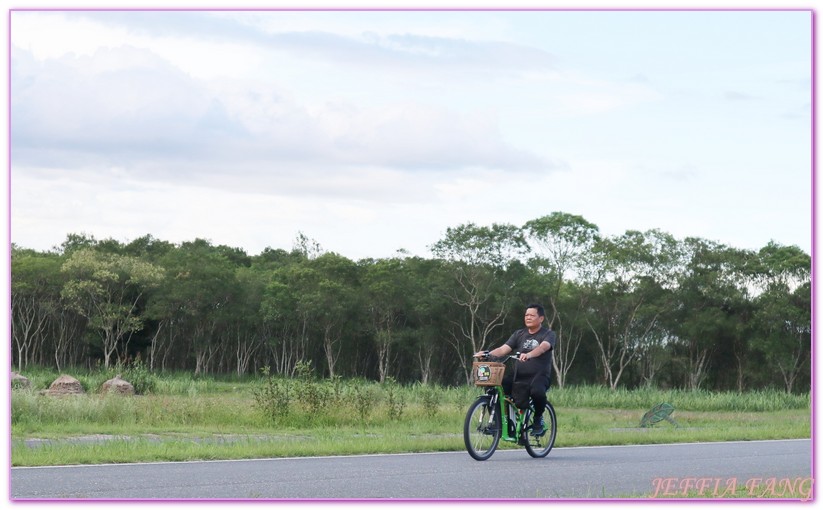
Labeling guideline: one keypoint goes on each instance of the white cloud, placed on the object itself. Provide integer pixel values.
(246, 127)
(51, 35)
(115, 102)
(130, 107)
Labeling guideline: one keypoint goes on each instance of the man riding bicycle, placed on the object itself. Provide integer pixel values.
(534, 343)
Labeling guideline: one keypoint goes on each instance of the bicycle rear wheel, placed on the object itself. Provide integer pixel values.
(481, 431)
(540, 446)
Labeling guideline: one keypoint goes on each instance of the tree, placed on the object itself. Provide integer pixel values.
(629, 303)
(386, 284)
(35, 300)
(738, 308)
(624, 325)
(66, 330)
(478, 257)
(193, 306)
(75, 242)
(784, 320)
(331, 294)
(632, 309)
(562, 243)
(106, 289)
(709, 290)
(777, 265)
(784, 310)
(148, 247)
(287, 323)
(426, 318)
(246, 327)
(313, 300)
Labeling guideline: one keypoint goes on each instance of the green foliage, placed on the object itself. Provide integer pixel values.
(304, 371)
(480, 245)
(273, 397)
(363, 400)
(631, 310)
(313, 395)
(430, 400)
(396, 400)
(337, 389)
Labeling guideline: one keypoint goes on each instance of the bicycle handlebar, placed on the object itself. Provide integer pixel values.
(485, 355)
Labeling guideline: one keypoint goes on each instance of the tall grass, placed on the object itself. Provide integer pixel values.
(686, 400)
(181, 403)
(180, 400)
(186, 417)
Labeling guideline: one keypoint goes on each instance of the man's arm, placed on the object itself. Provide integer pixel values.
(542, 348)
(500, 351)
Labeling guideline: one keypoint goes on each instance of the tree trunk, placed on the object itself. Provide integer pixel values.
(30, 324)
(740, 379)
(331, 348)
(698, 364)
(565, 351)
(424, 359)
(244, 352)
(384, 339)
(109, 344)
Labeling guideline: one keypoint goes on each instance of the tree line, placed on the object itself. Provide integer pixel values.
(637, 309)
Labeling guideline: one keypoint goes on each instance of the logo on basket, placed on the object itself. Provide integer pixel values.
(483, 373)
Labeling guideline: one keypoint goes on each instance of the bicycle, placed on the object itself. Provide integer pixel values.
(494, 416)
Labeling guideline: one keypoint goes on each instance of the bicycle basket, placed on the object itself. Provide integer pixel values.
(487, 373)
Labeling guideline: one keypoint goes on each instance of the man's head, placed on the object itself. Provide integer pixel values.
(534, 316)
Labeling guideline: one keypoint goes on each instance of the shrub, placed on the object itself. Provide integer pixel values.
(396, 401)
(273, 397)
(313, 396)
(139, 376)
(431, 401)
(363, 401)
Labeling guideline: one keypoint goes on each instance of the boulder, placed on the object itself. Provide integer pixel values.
(65, 385)
(19, 382)
(118, 386)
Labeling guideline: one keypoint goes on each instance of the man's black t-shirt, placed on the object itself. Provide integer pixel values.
(523, 341)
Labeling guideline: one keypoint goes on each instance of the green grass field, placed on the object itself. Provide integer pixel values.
(185, 418)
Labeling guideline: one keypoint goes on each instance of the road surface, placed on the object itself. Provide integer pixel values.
(783, 468)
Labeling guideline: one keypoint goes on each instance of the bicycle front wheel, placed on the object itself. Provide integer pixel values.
(540, 446)
(481, 431)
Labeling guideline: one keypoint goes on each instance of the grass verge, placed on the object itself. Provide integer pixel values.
(200, 419)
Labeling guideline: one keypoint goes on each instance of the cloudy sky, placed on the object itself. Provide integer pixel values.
(373, 131)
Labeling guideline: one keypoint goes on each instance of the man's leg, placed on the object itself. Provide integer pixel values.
(507, 383)
(540, 385)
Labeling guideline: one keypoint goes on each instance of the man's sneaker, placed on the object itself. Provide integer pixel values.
(539, 427)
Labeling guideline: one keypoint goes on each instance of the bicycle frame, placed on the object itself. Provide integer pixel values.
(509, 412)
(511, 418)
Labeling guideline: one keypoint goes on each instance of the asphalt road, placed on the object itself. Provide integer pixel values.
(585, 472)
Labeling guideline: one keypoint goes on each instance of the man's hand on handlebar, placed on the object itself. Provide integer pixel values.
(486, 355)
